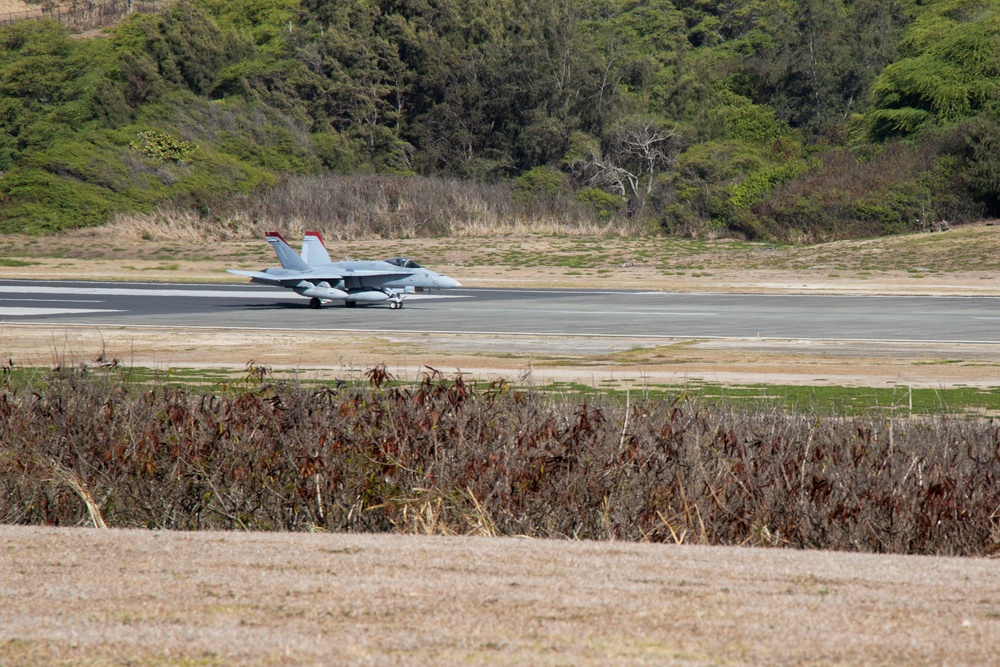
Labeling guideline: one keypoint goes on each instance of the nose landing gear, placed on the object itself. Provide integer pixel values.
(395, 300)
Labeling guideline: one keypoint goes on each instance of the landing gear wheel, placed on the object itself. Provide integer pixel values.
(395, 304)
(350, 304)
(315, 303)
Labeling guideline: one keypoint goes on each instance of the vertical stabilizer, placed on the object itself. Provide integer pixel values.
(314, 250)
(286, 255)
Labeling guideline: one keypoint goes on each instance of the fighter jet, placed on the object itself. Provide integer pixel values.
(313, 275)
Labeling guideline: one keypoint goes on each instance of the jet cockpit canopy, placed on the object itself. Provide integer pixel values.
(404, 262)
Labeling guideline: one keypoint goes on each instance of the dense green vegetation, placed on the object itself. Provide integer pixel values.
(803, 120)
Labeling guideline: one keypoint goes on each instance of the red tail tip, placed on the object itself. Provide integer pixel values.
(318, 237)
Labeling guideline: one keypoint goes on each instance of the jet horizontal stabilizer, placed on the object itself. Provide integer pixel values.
(263, 277)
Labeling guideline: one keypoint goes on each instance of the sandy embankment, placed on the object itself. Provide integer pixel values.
(74, 596)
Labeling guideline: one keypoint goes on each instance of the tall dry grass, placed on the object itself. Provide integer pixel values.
(373, 207)
(445, 457)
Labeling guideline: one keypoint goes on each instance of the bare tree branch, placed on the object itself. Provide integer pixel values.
(637, 151)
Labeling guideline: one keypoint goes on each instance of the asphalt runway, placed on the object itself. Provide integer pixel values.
(514, 312)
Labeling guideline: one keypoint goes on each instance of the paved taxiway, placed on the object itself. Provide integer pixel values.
(515, 312)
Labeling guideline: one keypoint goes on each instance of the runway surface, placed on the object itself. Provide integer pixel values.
(514, 311)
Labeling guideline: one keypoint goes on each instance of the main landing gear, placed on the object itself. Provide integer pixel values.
(315, 303)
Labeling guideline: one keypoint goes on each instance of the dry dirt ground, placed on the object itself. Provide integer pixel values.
(83, 596)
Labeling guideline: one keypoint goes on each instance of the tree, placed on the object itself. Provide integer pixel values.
(949, 72)
(982, 173)
(635, 153)
(813, 61)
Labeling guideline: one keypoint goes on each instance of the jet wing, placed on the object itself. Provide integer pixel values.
(287, 278)
(368, 277)
(374, 273)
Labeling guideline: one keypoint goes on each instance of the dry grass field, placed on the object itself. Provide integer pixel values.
(89, 597)
(965, 260)
(92, 597)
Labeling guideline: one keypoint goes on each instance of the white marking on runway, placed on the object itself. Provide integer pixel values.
(131, 291)
(634, 313)
(641, 311)
(15, 311)
(205, 294)
(56, 300)
(434, 296)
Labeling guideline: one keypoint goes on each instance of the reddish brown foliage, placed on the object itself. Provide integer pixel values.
(447, 457)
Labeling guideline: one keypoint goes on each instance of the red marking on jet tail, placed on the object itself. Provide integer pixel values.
(318, 237)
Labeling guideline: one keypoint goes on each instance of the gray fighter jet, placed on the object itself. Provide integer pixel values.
(313, 275)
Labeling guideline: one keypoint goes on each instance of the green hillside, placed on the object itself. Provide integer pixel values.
(790, 120)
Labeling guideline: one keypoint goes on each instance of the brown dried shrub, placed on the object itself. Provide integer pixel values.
(372, 206)
(447, 457)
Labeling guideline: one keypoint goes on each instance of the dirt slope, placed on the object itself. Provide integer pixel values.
(83, 596)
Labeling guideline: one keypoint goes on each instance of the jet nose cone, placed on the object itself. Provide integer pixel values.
(445, 282)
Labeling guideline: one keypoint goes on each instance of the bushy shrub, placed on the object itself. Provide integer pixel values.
(335, 152)
(760, 182)
(606, 205)
(37, 201)
(902, 187)
(749, 122)
(447, 457)
(161, 146)
(539, 185)
(981, 174)
(716, 183)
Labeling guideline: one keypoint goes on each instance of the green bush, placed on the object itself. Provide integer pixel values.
(160, 146)
(758, 183)
(37, 201)
(243, 78)
(271, 147)
(216, 175)
(845, 195)
(749, 122)
(539, 184)
(981, 174)
(335, 152)
(606, 205)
